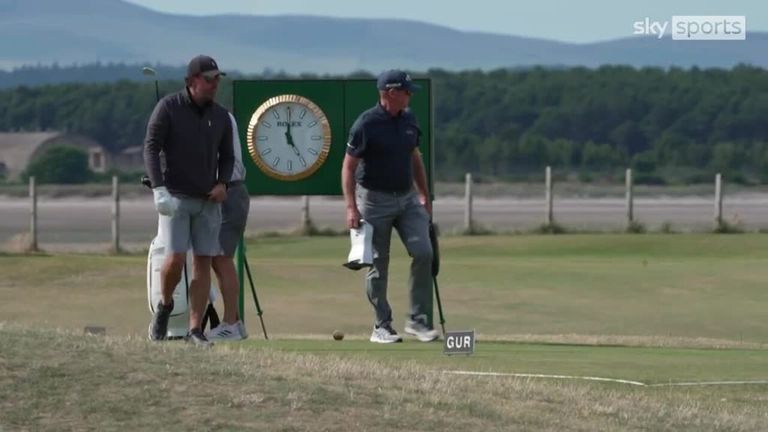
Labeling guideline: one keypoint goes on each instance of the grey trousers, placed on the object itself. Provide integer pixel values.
(404, 212)
(234, 216)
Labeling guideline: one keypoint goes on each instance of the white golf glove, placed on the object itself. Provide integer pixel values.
(165, 203)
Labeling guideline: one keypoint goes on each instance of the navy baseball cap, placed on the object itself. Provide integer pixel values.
(203, 65)
(396, 79)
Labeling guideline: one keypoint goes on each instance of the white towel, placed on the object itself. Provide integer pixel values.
(361, 250)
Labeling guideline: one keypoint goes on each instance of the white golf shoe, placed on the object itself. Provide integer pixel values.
(419, 328)
(231, 332)
(385, 334)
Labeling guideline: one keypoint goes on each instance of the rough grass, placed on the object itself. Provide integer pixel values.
(667, 296)
(58, 380)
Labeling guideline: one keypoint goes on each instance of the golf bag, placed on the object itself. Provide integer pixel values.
(179, 321)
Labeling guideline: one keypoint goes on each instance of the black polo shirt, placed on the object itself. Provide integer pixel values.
(385, 145)
(188, 148)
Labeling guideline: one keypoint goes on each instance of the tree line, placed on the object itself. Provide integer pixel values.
(668, 124)
(664, 123)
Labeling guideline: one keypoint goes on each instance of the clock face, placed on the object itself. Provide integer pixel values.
(289, 137)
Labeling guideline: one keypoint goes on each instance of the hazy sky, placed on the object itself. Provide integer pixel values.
(566, 20)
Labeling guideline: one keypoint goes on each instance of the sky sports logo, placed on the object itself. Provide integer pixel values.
(695, 27)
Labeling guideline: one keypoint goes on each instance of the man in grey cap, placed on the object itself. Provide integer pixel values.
(189, 159)
(385, 183)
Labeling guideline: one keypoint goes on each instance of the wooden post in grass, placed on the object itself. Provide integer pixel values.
(630, 208)
(115, 215)
(306, 221)
(549, 217)
(32, 246)
(468, 224)
(718, 200)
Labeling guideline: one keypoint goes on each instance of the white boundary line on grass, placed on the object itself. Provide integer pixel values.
(706, 383)
(591, 378)
(527, 375)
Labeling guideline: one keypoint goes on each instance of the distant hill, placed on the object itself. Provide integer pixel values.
(46, 32)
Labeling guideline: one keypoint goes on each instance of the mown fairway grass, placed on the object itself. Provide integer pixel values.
(649, 365)
(646, 285)
(660, 286)
(649, 308)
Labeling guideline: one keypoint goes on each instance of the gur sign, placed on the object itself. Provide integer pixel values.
(459, 342)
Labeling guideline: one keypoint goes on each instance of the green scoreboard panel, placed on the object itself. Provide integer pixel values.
(294, 132)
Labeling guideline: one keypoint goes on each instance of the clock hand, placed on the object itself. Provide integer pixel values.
(292, 144)
(289, 138)
(288, 135)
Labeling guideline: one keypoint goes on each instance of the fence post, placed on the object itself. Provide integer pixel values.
(468, 224)
(306, 220)
(718, 201)
(630, 204)
(32, 246)
(549, 217)
(115, 215)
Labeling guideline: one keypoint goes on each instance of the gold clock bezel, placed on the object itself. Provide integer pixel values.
(262, 110)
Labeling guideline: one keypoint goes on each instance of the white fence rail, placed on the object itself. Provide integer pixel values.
(129, 223)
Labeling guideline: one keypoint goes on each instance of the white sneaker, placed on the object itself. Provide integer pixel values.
(418, 327)
(226, 331)
(385, 334)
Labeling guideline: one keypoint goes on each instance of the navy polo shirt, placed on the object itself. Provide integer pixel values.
(385, 145)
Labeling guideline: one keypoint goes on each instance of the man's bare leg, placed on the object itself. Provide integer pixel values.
(224, 267)
(198, 290)
(170, 275)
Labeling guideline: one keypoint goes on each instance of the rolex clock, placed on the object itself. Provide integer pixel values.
(289, 137)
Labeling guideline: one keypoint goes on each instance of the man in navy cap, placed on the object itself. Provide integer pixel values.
(385, 183)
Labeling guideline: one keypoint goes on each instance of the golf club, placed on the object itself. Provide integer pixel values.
(148, 71)
(255, 298)
(436, 270)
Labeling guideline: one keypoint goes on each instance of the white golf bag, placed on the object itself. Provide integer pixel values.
(178, 324)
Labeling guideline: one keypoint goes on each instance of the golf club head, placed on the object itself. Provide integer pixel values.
(146, 70)
(145, 181)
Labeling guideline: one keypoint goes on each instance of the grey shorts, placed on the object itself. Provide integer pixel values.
(234, 215)
(196, 222)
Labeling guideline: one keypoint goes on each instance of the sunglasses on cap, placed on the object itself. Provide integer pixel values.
(407, 92)
(210, 79)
